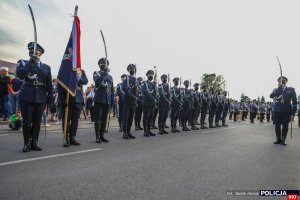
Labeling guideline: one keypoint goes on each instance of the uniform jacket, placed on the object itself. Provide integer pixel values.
(129, 86)
(283, 98)
(176, 97)
(104, 88)
(164, 94)
(149, 98)
(35, 74)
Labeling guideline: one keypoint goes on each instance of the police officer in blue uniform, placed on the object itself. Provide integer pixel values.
(163, 104)
(34, 94)
(176, 104)
(225, 108)
(283, 109)
(139, 108)
(103, 99)
(253, 110)
(130, 87)
(120, 94)
(187, 105)
(205, 106)
(75, 106)
(196, 106)
(149, 101)
(220, 108)
(212, 108)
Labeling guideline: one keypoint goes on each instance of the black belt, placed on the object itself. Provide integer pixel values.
(35, 83)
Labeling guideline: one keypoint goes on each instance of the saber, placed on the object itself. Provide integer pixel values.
(104, 47)
(280, 69)
(34, 29)
(281, 83)
(109, 110)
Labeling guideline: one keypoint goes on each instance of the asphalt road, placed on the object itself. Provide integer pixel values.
(188, 165)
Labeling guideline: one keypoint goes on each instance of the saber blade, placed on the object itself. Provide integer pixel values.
(34, 29)
(104, 47)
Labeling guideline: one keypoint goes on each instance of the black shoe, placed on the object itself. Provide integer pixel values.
(137, 128)
(204, 127)
(130, 135)
(278, 141)
(98, 138)
(140, 128)
(212, 126)
(125, 136)
(185, 129)
(103, 139)
(154, 127)
(197, 123)
(194, 128)
(35, 146)
(26, 147)
(217, 125)
(160, 132)
(146, 134)
(283, 142)
(173, 130)
(178, 131)
(164, 131)
(225, 125)
(166, 126)
(150, 133)
(74, 142)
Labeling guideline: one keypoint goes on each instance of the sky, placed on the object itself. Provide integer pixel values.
(238, 39)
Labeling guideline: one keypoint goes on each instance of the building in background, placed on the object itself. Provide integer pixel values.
(11, 66)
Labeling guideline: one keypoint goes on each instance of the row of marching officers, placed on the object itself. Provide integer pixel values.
(142, 100)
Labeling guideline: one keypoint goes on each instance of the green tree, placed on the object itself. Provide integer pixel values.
(213, 81)
(245, 99)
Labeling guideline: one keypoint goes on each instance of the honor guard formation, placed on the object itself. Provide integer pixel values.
(174, 106)
(142, 101)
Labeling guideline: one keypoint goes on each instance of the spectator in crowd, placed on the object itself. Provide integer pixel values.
(5, 83)
(16, 121)
(53, 107)
(115, 104)
(87, 103)
(90, 103)
(16, 84)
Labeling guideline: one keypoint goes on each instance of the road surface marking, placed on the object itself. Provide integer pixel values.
(3, 134)
(46, 157)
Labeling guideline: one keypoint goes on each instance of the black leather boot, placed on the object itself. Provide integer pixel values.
(284, 134)
(26, 135)
(125, 135)
(184, 128)
(73, 131)
(278, 135)
(149, 131)
(97, 132)
(35, 138)
(146, 134)
(102, 131)
(160, 132)
(129, 133)
(35, 146)
(67, 139)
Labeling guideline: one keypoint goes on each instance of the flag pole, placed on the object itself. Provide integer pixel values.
(66, 119)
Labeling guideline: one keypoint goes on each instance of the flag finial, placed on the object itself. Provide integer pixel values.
(76, 10)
